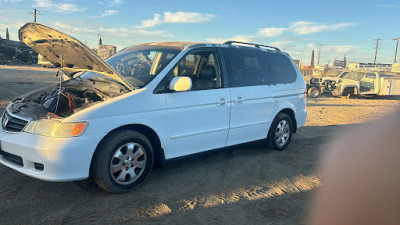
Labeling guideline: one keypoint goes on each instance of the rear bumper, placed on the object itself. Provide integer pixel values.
(46, 158)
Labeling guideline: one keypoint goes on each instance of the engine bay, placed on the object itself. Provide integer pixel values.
(65, 99)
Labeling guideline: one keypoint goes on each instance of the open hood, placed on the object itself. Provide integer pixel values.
(63, 51)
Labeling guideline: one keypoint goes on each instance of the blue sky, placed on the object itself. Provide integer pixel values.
(340, 27)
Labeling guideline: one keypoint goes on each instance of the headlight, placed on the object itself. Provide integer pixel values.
(53, 128)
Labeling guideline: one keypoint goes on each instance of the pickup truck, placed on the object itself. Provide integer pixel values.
(365, 83)
(324, 84)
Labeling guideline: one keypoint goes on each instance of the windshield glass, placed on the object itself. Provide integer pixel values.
(353, 76)
(333, 73)
(138, 67)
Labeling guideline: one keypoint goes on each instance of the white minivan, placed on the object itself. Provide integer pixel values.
(112, 121)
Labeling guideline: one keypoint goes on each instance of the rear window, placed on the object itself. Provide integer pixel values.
(247, 67)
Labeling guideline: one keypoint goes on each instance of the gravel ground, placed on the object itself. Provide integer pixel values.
(248, 183)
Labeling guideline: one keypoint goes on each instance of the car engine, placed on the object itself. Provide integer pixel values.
(65, 99)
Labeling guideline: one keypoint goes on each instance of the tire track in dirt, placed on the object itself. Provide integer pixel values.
(298, 184)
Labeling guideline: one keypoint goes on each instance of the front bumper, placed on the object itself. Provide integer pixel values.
(336, 92)
(59, 159)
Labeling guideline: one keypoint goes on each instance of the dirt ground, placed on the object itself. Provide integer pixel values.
(245, 184)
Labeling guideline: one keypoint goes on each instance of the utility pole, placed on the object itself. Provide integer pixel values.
(319, 54)
(397, 45)
(376, 49)
(7, 34)
(312, 59)
(35, 13)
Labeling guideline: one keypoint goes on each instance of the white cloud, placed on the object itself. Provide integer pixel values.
(282, 44)
(115, 2)
(340, 49)
(121, 36)
(241, 38)
(75, 29)
(186, 17)
(11, 1)
(328, 52)
(110, 2)
(114, 31)
(106, 13)
(58, 7)
(43, 3)
(271, 31)
(152, 22)
(178, 17)
(3, 26)
(306, 27)
(303, 27)
(67, 7)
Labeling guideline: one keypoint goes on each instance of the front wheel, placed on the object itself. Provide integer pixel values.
(123, 161)
(314, 92)
(280, 132)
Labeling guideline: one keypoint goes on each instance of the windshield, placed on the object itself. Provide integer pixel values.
(138, 67)
(353, 76)
(333, 73)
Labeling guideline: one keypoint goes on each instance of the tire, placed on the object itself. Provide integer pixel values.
(280, 132)
(122, 161)
(313, 92)
(350, 92)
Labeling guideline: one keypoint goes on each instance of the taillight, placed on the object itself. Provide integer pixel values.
(305, 94)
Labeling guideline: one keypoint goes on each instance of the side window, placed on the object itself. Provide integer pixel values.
(370, 75)
(253, 67)
(353, 76)
(202, 67)
(278, 68)
(243, 67)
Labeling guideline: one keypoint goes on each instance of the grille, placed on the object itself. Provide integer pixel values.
(12, 158)
(13, 124)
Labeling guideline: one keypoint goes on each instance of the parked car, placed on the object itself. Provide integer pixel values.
(366, 83)
(112, 121)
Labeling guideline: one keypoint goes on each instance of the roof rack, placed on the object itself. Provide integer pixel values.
(255, 45)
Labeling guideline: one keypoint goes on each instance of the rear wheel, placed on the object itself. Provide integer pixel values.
(280, 132)
(123, 161)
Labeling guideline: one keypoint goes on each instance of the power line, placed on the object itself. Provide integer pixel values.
(376, 49)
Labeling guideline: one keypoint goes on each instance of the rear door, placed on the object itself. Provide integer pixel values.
(197, 120)
(254, 78)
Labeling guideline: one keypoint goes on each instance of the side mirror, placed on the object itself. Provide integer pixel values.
(180, 84)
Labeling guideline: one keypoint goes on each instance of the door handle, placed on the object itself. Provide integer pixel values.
(221, 101)
(239, 100)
